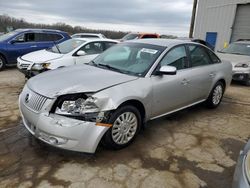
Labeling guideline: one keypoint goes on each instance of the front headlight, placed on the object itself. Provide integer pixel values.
(243, 65)
(247, 166)
(40, 66)
(76, 107)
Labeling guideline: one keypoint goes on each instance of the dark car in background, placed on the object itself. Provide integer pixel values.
(23, 41)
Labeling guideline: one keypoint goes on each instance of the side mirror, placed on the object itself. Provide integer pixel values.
(17, 41)
(81, 53)
(167, 70)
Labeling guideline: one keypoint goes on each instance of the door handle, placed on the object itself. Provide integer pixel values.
(33, 46)
(185, 82)
(212, 75)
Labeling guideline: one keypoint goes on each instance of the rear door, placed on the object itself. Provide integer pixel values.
(202, 72)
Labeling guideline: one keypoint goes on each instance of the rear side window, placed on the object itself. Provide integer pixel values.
(43, 37)
(148, 36)
(176, 57)
(93, 48)
(109, 44)
(213, 57)
(198, 56)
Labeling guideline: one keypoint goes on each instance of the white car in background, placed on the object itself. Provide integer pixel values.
(88, 35)
(71, 52)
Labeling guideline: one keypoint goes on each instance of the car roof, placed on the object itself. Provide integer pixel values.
(159, 42)
(94, 34)
(96, 39)
(39, 30)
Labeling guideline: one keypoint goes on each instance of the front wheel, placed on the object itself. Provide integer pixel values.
(126, 123)
(2, 63)
(215, 95)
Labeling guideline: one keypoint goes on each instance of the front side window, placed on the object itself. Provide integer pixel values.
(129, 58)
(198, 56)
(26, 37)
(93, 48)
(176, 57)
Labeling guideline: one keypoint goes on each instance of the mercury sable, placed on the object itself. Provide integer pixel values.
(109, 99)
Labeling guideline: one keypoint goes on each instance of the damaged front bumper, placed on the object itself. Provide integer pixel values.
(60, 131)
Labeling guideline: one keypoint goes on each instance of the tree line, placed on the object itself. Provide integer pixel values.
(7, 22)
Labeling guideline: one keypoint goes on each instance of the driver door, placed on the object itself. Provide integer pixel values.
(171, 92)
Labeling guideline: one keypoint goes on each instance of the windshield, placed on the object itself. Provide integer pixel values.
(66, 46)
(129, 58)
(237, 48)
(7, 35)
(130, 36)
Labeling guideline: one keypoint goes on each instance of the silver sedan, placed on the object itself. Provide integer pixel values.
(110, 99)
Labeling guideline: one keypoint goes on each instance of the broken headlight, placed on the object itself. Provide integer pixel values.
(77, 106)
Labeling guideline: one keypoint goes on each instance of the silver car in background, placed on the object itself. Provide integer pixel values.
(238, 53)
(110, 99)
(242, 171)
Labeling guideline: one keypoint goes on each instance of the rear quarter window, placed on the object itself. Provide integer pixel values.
(213, 57)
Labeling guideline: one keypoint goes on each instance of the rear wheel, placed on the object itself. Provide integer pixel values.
(2, 63)
(215, 95)
(126, 123)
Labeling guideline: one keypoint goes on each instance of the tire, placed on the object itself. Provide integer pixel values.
(247, 83)
(115, 137)
(216, 95)
(2, 62)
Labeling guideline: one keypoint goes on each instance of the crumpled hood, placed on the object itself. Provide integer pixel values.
(234, 59)
(75, 79)
(41, 56)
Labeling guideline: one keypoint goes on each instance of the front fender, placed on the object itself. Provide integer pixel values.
(139, 89)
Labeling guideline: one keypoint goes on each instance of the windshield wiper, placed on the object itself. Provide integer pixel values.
(111, 68)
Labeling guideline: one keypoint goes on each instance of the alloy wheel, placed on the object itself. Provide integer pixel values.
(217, 94)
(124, 128)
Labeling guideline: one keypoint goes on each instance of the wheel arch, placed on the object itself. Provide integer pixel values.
(137, 104)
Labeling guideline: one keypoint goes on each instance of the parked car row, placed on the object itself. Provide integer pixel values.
(113, 87)
(109, 99)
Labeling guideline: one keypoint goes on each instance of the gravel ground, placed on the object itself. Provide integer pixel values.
(193, 148)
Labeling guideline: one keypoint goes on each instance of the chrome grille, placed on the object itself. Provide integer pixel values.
(33, 100)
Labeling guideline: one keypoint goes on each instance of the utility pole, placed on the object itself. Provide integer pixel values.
(193, 19)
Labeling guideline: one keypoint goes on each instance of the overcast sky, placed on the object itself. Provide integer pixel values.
(162, 16)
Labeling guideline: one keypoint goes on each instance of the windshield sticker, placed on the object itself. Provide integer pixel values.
(147, 50)
(248, 46)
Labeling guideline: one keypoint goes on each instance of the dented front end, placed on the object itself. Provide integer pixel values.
(72, 121)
